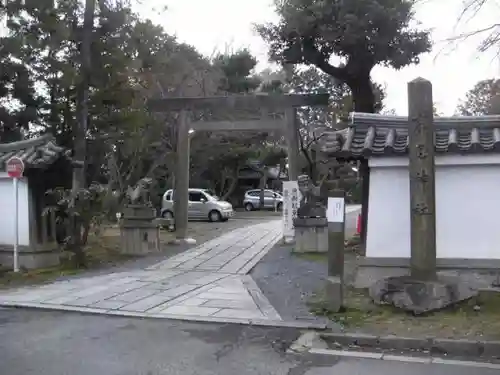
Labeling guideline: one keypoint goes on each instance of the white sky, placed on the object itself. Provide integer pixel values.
(217, 25)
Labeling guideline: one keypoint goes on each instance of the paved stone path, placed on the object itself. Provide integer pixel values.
(208, 282)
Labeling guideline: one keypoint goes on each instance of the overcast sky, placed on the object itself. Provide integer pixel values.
(218, 25)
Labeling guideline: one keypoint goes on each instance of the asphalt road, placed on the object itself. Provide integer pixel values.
(56, 343)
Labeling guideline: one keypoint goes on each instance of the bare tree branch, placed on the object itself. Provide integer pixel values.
(471, 9)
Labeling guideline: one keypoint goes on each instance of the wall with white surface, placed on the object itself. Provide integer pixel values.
(7, 207)
(467, 207)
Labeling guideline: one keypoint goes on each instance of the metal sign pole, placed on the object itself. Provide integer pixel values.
(15, 169)
(16, 224)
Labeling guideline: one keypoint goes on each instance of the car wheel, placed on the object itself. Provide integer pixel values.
(167, 215)
(214, 216)
(249, 207)
(280, 206)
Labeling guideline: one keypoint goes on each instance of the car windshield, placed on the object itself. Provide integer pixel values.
(211, 195)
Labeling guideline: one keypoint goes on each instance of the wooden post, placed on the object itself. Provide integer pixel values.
(422, 179)
(292, 141)
(336, 236)
(182, 177)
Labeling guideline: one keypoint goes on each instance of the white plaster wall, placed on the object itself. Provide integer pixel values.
(467, 207)
(7, 207)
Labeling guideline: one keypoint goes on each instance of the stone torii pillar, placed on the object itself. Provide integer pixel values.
(181, 183)
(228, 104)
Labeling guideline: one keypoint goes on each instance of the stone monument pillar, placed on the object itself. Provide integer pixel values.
(423, 290)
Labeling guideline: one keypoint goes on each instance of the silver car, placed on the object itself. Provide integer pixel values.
(201, 206)
(272, 200)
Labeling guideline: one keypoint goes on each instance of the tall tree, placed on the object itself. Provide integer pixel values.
(80, 127)
(360, 33)
(311, 119)
(238, 72)
(482, 99)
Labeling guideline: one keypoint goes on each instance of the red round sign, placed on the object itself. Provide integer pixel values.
(15, 167)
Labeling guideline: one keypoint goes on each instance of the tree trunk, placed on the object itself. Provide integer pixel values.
(362, 94)
(80, 129)
(231, 189)
(364, 101)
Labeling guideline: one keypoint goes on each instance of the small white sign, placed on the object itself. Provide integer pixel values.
(291, 201)
(335, 211)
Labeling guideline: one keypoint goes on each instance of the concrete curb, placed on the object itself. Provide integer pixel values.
(402, 358)
(434, 346)
(299, 324)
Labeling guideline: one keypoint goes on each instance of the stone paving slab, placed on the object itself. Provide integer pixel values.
(208, 282)
(235, 252)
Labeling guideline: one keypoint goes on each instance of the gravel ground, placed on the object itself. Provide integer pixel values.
(289, 281)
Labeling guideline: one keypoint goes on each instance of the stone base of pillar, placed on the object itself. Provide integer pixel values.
(421, 296)
(334, 294)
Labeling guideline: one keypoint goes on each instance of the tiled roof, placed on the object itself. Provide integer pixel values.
(36, 153)
(377, 135)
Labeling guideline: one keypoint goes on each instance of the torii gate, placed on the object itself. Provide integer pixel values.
(270, 102)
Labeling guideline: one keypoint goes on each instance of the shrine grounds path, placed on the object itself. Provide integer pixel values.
(209, 282)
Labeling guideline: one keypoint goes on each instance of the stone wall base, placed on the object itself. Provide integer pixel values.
(29, 258)
(481, 273)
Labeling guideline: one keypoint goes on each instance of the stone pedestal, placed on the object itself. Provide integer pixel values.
(311, 235)
(139, 233)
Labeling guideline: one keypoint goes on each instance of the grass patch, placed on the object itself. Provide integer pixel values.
(29, 277)
(475, 318)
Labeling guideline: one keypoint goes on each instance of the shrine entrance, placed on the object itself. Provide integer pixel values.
(230, 113)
